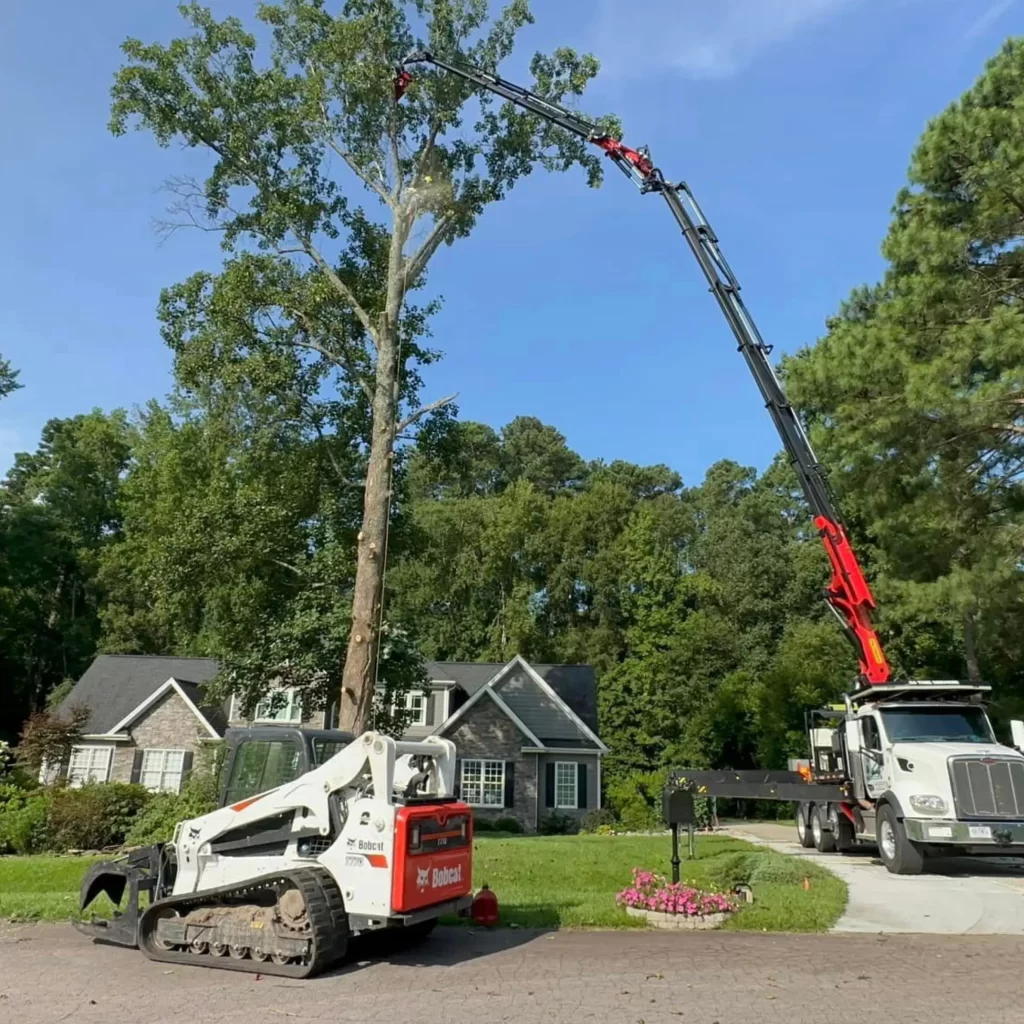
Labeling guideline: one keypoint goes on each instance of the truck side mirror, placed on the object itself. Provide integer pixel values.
(1017, 733)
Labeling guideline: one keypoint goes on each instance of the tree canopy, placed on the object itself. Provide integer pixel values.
(248, 514)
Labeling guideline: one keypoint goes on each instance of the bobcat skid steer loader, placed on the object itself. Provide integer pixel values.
(277, 882)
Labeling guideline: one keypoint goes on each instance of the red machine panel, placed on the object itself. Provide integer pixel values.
(433, 855)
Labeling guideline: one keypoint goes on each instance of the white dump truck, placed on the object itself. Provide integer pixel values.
(914, 768)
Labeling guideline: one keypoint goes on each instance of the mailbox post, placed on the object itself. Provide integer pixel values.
(677, 809)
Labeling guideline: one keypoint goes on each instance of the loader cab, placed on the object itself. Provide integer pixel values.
(264, 757)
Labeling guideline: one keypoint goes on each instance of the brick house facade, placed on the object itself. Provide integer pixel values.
(525, 735)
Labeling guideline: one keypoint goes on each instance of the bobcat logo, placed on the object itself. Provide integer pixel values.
(422, 878)
(193, 833)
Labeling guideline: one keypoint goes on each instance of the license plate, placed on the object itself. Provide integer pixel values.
(940, 832)
(980, 831)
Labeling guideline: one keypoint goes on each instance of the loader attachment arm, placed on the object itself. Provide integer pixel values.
(848, 593)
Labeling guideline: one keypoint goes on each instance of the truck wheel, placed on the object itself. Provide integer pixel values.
(899, 855)
(824, 841)
(803, 828)
(842, 830)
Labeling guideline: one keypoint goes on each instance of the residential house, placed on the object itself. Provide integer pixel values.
(525, 734)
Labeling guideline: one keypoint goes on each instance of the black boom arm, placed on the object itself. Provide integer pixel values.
(848, 593)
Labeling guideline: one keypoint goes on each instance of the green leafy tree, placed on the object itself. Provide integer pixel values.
(292, 140)
(59, 511)
(8, 378)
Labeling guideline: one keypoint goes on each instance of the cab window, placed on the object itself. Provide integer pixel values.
(259, 765)
(869, 731)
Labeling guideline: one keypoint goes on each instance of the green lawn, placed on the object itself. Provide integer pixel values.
(540, 882)
(44, 888)
(571, 881)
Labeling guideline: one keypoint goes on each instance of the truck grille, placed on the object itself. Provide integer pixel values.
(987, 787)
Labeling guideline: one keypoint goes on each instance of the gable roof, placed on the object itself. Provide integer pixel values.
(541, 714)
(114, 686)
(576, 685)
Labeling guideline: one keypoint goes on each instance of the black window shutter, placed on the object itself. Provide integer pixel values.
(549, 785)
(186, 766)
(458, 778)
(510, 783)
(581, 786)
(137, 766)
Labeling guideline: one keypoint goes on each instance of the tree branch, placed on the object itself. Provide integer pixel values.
(416, 263)
(355, 168)
(341, 359)
(422, 411)
(343, 289)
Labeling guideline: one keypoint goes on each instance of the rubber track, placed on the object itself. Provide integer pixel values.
(324, 906)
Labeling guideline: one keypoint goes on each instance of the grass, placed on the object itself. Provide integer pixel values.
(540, 882)
(571, 881)
(44, 888)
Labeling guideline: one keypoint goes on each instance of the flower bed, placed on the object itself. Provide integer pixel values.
(673, 904)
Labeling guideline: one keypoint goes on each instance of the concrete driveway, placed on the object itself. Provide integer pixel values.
(50, 974)
(956, 897)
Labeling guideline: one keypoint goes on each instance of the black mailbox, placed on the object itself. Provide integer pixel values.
(677, 806)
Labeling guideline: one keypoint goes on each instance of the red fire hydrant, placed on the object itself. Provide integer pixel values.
(484, 909)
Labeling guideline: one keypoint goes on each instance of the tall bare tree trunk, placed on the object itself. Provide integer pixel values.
(357, 679)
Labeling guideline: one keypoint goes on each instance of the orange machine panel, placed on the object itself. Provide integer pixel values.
(433, 855)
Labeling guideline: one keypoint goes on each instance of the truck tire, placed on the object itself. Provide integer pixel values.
(842, 830)
(803, 826)
(824, 841)
(899, 855)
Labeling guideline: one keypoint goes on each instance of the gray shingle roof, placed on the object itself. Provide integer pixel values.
(575, 684)
(115, 684)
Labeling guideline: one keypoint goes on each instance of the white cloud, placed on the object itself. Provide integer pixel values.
(700, 38)
(988, 18)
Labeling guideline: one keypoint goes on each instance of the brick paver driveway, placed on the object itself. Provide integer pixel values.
(49, 973)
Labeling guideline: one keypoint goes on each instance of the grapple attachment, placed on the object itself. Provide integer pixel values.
(137, 873)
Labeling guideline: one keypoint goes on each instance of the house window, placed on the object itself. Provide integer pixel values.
(483, 783)
(89, 764)
(566, 779)
(162, 770)
(279, 706)
(416, 705)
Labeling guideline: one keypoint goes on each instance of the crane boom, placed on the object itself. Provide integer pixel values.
(848, 592)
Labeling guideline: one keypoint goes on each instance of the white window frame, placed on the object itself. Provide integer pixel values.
(480, 766)
(93, 771)
(575, 771)
(169, 777)
(290, 712)
(418, 717)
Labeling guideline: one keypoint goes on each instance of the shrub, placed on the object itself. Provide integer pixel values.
(728, 870)
(94, 816)
(510, 825)
(636, 800)
(483, 825)
(556, 824)
(773, 868)
(157, 822)
(593, 821)
(24, 823)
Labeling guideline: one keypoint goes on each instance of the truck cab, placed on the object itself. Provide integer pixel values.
(921, 771)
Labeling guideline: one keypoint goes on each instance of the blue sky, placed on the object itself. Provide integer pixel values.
(792, 120)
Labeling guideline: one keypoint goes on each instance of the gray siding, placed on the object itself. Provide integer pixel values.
(535, 708)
